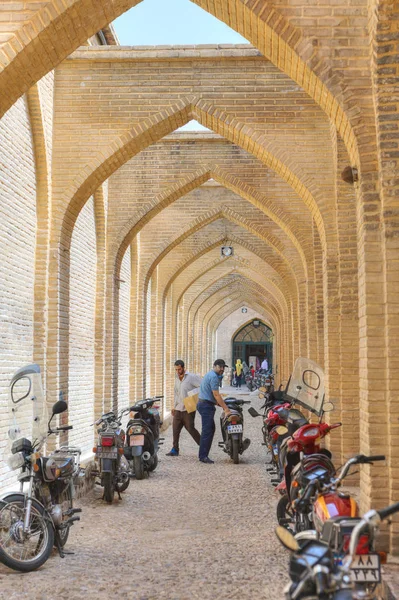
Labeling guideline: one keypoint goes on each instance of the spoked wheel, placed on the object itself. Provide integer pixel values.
(235, 448)
(29, 551)
(63, 535)
(138, 465)
(285, 514)
(109, 487)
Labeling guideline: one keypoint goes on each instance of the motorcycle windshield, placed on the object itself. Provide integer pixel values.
(28, 414)
(306, 385)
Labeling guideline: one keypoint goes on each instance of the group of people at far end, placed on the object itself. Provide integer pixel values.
(238, 373)
(208, 398)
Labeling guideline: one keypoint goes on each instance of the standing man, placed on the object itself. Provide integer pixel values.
(265, 364)
(209, 397)
(184, 383)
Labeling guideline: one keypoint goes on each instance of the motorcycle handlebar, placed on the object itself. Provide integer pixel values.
(64, 428)
(387, 512)
(369, 459)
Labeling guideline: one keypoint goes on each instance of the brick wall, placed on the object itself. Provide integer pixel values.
(17, 249)
(82, 329)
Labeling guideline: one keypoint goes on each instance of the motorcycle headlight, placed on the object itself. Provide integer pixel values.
(16, 461)
(312, 432)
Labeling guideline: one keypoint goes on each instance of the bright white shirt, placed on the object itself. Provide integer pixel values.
(189, 382)
(264, 365)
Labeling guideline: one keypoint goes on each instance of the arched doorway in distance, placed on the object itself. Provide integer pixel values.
(253, 341)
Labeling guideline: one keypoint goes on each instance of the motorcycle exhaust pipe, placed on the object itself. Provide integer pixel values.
(146, 456)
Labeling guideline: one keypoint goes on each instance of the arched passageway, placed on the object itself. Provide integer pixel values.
(114, 222)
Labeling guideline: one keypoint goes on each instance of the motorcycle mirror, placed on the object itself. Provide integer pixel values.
(253, 412)
(281, 430)
(262, 389)
(287, 539)
(59, 407)
(328, 407)
(261, 396)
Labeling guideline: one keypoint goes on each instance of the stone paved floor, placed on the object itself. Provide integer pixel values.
(191, 531)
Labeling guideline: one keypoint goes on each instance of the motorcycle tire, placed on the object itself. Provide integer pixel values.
(122, 487)
(138, 466)
(63, 536)
(235, 451)
(154, 463)
(109, 487)
(285, 514)
(39, 523)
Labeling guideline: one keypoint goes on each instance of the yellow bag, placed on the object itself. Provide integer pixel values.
(190, 403)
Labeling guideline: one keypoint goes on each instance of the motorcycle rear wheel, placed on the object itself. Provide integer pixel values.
(40, 543)
(138, 465)
(285, 514)
(109, 487)
(154, 463)
(235, 451)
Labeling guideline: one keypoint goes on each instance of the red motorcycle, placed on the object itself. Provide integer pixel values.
(333, 513)
(300, 454)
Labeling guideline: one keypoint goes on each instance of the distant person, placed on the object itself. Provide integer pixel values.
(265, 364)
(238, 372)
(184, 383)
(251, 368)
(209, 397)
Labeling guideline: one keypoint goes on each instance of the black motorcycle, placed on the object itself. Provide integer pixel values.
(142, 439)
(33, 521)
(113, 469)
(232, 427)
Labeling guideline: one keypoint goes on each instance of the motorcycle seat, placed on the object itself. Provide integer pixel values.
(236, 401)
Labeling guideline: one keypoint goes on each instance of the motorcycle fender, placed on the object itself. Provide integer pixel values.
(310, 534)
(14, 496)
(236, 436)
(136, 450)
(107, 465)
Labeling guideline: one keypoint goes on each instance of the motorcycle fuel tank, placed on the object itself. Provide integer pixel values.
(332, 505)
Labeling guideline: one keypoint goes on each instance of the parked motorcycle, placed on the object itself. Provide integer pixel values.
(32, 522)
(232, 427)
(315, 573)
(113, 468)
(142, 439)
(326, 506)
(301, 454)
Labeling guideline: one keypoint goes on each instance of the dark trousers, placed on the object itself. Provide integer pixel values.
(181, 419)
(207, 411)
(238, 380)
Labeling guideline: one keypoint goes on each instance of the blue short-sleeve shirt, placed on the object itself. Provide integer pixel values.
(209, 384)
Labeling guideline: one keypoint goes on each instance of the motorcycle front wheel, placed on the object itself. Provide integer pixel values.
(235, 451)
(109, 487)
(138, 465)
(27, 552)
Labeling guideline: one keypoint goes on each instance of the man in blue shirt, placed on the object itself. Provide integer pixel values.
(209, 397)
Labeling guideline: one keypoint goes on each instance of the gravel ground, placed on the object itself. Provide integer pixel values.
(190, 531)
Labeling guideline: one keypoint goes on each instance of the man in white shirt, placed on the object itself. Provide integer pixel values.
(265, 364)
(184, 383)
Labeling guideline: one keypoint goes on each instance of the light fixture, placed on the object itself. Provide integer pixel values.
(256, 323)
(244, 310)
(227, 251)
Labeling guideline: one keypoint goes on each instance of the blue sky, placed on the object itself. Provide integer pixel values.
(155, 22)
